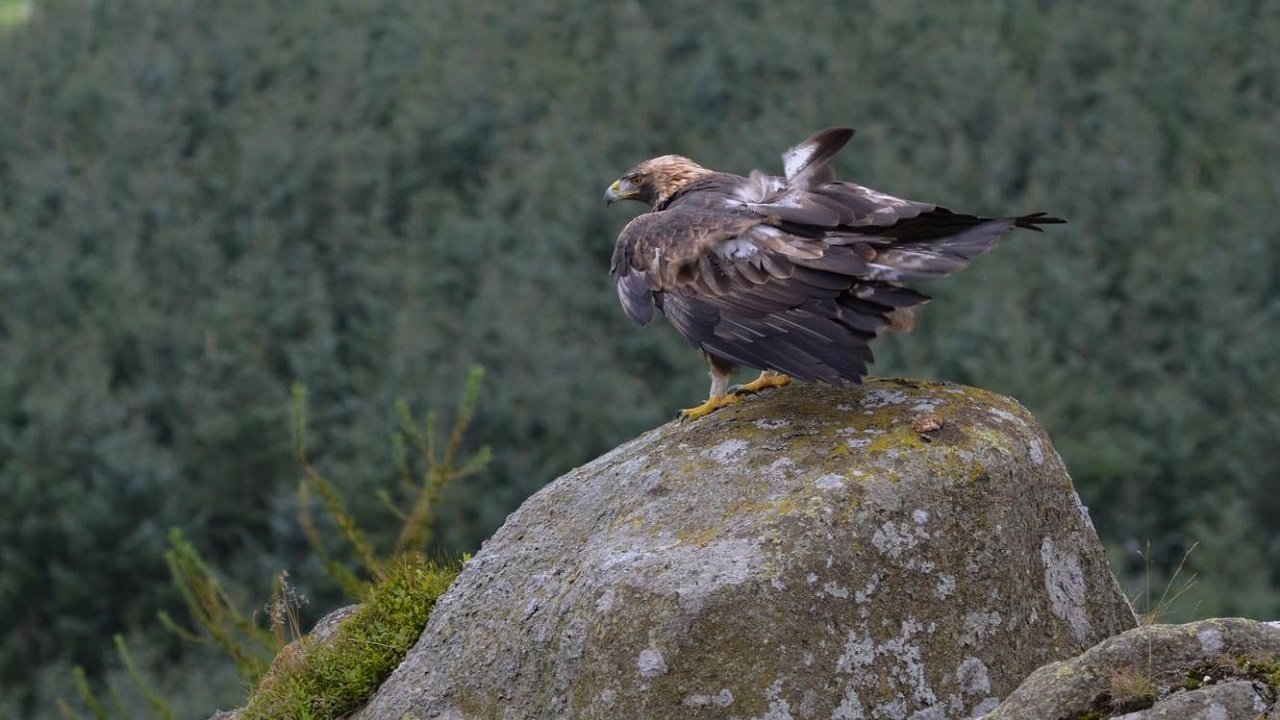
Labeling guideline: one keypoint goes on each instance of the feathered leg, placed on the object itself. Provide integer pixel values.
(719, 396)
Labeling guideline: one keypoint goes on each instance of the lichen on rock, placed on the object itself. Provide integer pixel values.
(1219, 669)
(808, 553)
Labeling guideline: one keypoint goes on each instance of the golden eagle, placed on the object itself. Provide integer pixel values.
(793, 275)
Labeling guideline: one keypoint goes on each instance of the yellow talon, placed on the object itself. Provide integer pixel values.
(768, 379)
(708, 407)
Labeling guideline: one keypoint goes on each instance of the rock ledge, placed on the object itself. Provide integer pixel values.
(1220, 669)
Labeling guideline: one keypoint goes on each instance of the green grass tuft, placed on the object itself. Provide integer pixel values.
(328, 678)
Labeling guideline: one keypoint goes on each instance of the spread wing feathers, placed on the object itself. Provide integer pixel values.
(805, 164)
(796, 275)
(826, 339)
(836, 204)
(756, 294)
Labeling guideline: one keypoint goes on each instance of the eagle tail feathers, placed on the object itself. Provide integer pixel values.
(931, 255)
(1033, 221)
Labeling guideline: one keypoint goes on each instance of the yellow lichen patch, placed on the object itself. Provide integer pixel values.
(698, 466)
(780, 507)
(701, 538)
(814, 507)
(959, 464)
(989, 437)
(775, 507)
(635, 520)
(901, 437)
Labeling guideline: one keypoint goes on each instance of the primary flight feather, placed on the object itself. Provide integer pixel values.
(791, 275)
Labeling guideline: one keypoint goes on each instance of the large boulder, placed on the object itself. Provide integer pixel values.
(1221, 669)
(893, 550)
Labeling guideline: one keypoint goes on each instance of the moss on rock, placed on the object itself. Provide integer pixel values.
(332, 672)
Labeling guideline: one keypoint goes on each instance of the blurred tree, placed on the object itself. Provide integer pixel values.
(202, 203)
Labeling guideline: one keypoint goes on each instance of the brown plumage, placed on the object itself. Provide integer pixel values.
(790, 275)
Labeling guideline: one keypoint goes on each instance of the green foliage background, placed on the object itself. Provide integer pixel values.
(202, 203)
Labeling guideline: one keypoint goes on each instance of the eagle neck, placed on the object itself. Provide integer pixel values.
(691, 185)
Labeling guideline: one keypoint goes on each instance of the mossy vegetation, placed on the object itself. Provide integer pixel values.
(1265, 671)
(1131, 690)
(316, 679)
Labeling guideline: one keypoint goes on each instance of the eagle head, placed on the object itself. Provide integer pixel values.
(654, 182)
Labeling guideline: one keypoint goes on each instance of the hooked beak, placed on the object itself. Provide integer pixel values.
(619, 190)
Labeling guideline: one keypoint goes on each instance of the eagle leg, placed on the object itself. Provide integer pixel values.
(768, 379)
(720, 371)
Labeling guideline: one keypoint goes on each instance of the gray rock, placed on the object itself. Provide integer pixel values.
(327, 625)
(1239, 700)
(804, 554)
(1153, 666)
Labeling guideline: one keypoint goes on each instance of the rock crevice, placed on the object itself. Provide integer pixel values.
(1219, 669)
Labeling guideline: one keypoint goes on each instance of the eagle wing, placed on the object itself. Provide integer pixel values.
(794, 274)
(736, 284)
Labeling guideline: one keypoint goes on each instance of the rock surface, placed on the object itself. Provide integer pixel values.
(1221, 669)
(893, 550)
(1238, 700)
